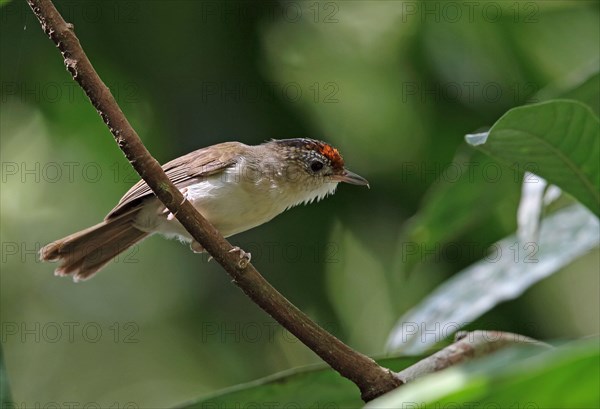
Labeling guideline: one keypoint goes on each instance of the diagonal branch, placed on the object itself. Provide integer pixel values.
(372, 379)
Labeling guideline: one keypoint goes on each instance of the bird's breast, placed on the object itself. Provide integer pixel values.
(233, 202)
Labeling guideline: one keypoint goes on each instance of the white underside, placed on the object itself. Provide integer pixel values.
(230, 205)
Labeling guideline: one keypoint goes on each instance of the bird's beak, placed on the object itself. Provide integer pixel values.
(351, 177)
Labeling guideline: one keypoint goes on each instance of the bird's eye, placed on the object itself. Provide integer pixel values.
(316, 165)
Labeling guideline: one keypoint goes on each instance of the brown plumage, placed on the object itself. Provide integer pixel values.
(85, 252)
(235, 186)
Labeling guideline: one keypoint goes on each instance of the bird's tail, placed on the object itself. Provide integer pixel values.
(84, 253)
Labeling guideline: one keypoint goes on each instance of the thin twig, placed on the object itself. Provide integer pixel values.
(467, 346)
(371, 379)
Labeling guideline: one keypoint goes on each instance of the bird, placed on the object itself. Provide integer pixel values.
(235, 186)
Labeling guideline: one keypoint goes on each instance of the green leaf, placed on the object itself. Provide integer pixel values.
(582, 85)
(472, 181)
(507, 272)
(317, 386)
(587, 92)
(558, 140)
(565, 377)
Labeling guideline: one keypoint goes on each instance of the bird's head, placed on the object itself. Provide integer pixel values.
(311, 168)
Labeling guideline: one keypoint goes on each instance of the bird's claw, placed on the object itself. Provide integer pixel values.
(244, 257)
(196, 247)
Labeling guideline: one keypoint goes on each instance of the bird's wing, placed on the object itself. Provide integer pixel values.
(184, 171)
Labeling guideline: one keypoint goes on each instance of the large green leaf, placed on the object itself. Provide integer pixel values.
(587, 91)
(565, 377)
(558, 140)
(472, 181)
(582, 86)
(317, 386)
(510, 269)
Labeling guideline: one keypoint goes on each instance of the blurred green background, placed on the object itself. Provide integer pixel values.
(394, 85)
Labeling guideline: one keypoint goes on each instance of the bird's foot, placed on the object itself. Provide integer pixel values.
(244, 257)
(196, 247)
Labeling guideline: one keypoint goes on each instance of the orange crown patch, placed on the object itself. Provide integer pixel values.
(332, 154)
